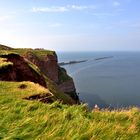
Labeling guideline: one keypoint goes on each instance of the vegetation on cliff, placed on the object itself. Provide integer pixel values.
(4, 64)
(63, 77)
(40, 55)
(24, 90)
(23, 51)
(33, 74)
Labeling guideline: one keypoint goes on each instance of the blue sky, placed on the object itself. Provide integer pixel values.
(71, 25)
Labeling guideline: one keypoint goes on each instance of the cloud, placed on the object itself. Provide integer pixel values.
(83, 7)
(49, 9)
(116, 3)
(78, 7)
(61, 9)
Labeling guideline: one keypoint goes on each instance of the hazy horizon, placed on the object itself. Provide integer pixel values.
(111, 25)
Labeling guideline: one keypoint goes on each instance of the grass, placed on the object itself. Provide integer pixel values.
(63, 76)
(38, 53)
(4, 64)
(4, 47)
(21, 119)
(33, 67)
(14, 89)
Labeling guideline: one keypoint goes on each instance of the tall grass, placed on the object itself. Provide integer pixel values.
(22, 119)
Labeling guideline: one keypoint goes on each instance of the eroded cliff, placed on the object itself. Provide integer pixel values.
(19, 70)
(47, 63)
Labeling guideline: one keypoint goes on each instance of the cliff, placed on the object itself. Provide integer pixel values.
(18, 69)
(47, 64)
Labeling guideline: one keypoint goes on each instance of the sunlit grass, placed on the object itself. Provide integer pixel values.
(23, 119)
(14, 89)
(4, 64)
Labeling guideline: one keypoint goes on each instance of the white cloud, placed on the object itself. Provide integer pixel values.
(79, 7)
(49, 9)
(116, 3)
(57, 9)
(82, 7)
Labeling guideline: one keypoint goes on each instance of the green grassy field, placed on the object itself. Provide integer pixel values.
(24, 119)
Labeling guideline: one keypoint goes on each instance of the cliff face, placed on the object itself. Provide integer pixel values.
(20, 70)
(48, 64)
(69, 88)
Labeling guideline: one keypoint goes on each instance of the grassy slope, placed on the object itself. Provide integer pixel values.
(4, 47)
(12, 89)
(39, 53)
(4, 64)
(63, 76)
(22, 119)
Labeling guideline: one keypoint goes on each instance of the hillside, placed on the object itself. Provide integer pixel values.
(23, 119)
(4, 47)
(38, 100)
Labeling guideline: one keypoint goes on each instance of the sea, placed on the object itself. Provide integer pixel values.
(112, 82)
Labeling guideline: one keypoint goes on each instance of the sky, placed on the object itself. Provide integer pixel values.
(71, 25)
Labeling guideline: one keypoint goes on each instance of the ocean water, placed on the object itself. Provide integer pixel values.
(109, 83)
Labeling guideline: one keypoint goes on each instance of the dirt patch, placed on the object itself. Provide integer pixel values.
(42, 98)
(22, 86)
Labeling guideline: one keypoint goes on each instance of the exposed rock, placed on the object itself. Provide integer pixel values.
(42, 98)
(69, 88)
(46, 61)
(48, 65)
(20, 71)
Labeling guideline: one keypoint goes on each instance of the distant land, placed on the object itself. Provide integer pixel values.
(100, 58)
(81, 61)
(71, 62)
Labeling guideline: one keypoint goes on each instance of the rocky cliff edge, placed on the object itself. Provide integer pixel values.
(47, 63)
